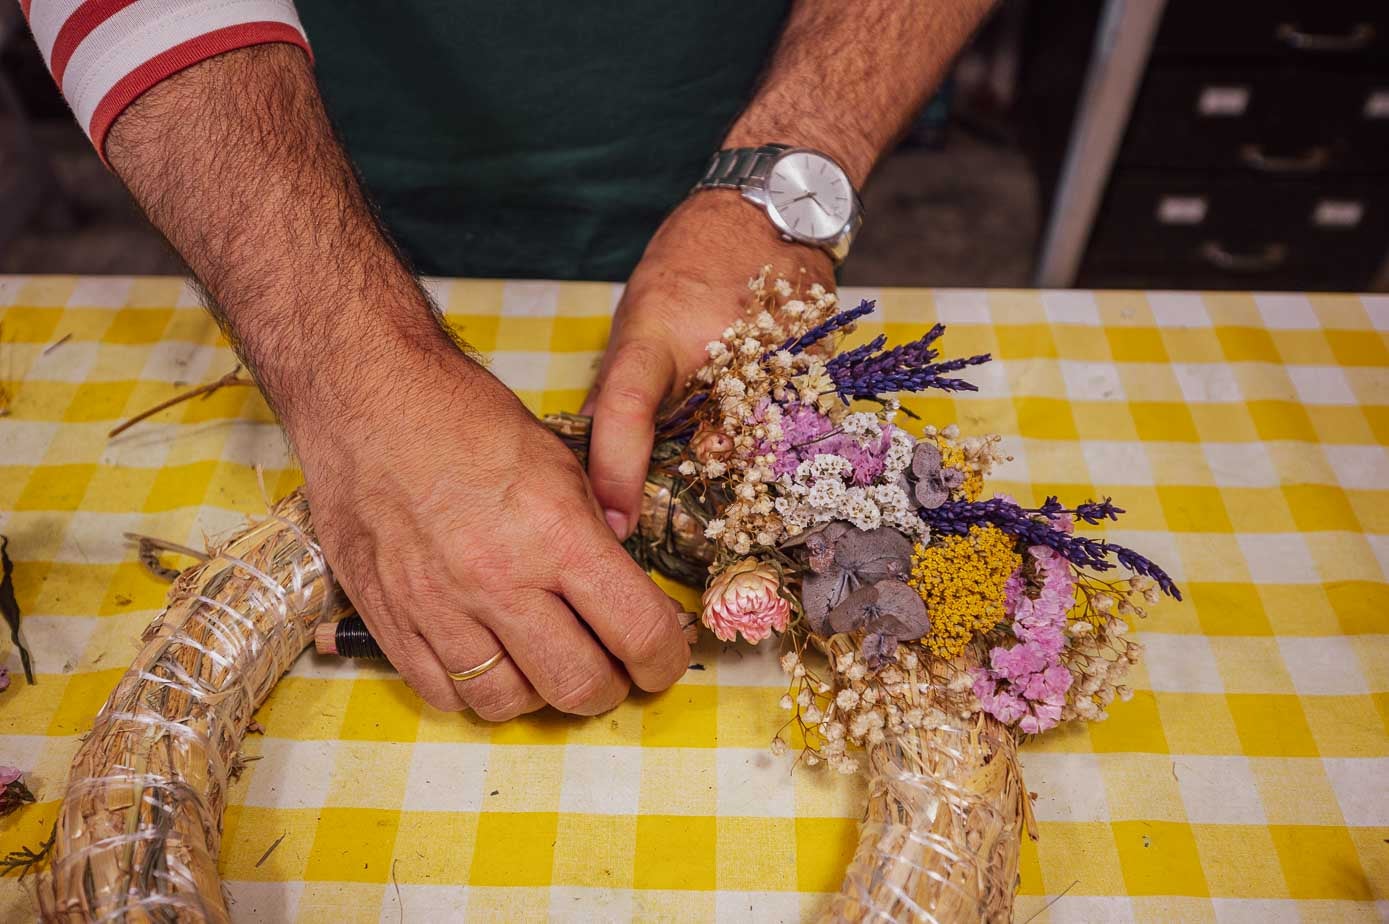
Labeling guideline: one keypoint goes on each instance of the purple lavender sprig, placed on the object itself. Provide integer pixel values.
(822, 330)
(679, 424)
(871, 372)
(1034, 527)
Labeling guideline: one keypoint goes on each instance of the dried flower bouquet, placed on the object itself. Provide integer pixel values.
(951, 626)
(926, 629)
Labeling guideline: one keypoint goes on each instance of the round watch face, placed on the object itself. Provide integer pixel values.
(809, 196)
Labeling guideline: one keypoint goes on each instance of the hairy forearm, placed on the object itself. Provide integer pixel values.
(847, 78)
(235, 162)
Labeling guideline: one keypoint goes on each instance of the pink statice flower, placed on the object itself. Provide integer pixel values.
(1026, 683)
(745, 597)
(807, 433)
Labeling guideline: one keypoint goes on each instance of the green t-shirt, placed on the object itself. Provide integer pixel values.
(534, 138)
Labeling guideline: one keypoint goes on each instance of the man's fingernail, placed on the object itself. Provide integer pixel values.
(617, 522)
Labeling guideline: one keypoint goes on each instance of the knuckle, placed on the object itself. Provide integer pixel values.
(628, 398)
(434, 691)
(588, 693)
(647, 638)
(439, 699)
(639, 379)
(498, 702)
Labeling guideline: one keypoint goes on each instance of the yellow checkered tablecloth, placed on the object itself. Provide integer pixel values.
(1248, 779)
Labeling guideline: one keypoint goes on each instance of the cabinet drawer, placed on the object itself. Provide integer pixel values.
(1348, 31)
(1240, 232)
(1276, 122)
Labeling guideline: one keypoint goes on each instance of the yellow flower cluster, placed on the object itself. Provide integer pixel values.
(952, 456)
(962, 580)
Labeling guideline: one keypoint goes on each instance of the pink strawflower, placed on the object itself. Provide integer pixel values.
(745, 597)
(9, 774)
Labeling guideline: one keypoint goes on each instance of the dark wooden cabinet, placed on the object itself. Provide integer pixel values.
(1255, 153)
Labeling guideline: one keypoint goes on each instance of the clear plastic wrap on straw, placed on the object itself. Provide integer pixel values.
(140, 825)
(942, 831)
(946, 811)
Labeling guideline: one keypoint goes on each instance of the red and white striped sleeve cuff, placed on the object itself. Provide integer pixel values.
(105, 53)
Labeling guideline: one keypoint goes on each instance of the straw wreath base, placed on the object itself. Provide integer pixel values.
(140, 825)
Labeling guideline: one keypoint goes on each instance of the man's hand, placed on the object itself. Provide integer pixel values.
(456, 523)
(691, 282)
(460, 527)
(845, 79)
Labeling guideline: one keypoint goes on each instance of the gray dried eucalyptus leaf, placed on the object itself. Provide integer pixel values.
(844, 559)
(933, 482)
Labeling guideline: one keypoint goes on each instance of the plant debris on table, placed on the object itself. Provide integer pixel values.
(13, 792)
(9, 607)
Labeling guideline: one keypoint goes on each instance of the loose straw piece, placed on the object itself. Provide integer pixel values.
(230, 379)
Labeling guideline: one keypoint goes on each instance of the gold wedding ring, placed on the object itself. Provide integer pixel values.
(481, 669)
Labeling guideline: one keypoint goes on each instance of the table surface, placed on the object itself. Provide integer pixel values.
(1247, 780)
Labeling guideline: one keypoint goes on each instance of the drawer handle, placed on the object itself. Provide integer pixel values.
(1269, 258)
(1309, 161)
(1360, 36)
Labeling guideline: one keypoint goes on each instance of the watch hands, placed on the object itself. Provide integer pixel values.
(813, 197)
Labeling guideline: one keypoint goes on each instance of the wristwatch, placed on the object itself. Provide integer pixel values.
(806, 194)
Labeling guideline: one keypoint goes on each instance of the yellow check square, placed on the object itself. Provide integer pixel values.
(1281, 420)
(1025, 341)
(139, 325)
(1320, 862)
(55, 487)
(82, 696)
(451, 837)
(1360, 606)
(685, 716)
(249, 832)
(1132, 726)
(595, 851)
(1318, 507)
(29, 324)
(824, 847)
(1230, 608)
(676, 852)
(1271, 725)
(753, 854)
(353, 845)
(306, 708)
(1358, 348)
(1081, 856)
(1194, 509)
(1166, 421)
(1247, 344)
(514, 849)
(1239, 861)
(1045, 418)
(1159, 858)
(381, 709)
(1136, 344)
(99, 401)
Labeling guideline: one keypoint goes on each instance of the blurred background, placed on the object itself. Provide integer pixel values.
(1238, 144)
